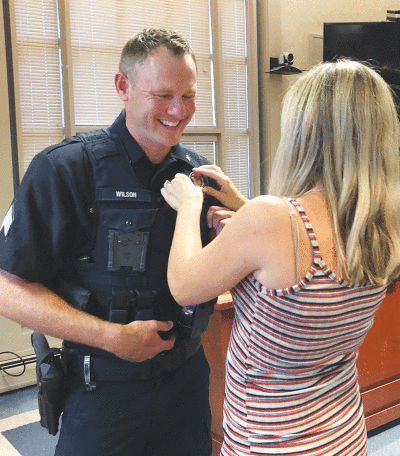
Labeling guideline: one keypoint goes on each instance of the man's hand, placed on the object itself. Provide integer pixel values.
(140, 340)
(35, 306)
(217, 218)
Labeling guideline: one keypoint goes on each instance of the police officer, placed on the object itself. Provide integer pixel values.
(89, 227)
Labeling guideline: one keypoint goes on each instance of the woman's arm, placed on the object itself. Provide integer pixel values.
(197, 274)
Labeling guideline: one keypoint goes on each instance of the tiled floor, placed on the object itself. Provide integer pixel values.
(385, 441)
(20, 430)
(19, 424)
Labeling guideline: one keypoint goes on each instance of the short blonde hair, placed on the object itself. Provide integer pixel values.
(340, 128)
(141, 45)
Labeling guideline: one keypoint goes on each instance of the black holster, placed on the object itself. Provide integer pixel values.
(193, 320)
(51, 382)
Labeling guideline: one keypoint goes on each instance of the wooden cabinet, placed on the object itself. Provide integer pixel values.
(378, 363)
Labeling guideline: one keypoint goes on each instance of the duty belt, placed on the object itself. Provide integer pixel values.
(95, 369)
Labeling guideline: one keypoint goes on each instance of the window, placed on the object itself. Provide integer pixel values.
(67, 52)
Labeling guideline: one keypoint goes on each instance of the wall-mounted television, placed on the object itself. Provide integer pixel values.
(378, 42)
(375, 42)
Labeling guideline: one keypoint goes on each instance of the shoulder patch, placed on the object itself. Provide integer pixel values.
(8, 220)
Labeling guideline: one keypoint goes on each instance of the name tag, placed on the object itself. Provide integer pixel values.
(121, 194)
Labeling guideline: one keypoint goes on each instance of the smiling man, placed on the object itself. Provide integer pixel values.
(159, 97)
(89, 224)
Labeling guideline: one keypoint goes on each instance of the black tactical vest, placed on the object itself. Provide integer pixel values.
(125, 276)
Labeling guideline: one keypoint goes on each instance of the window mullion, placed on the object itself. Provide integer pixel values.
(18, 123)
(253, 106)
(66, 68)
(218, 76)
(202, 130)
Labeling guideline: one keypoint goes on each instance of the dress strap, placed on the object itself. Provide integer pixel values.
(308, 226)
(295, 235)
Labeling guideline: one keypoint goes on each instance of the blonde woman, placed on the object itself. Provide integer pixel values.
(307, 265)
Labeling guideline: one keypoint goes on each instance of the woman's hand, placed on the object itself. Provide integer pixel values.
(217, 218)
(181, 193)
(227, 194)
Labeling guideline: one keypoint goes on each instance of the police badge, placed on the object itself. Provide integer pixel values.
(197, 180)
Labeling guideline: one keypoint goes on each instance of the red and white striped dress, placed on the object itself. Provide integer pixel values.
(291, 377)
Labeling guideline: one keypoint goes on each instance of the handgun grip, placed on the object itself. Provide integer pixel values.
(40, 345)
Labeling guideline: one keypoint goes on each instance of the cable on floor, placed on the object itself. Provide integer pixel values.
(11, 365)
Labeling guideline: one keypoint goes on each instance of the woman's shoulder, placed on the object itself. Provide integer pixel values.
(266, 206)
(270, 212)
(269, 242)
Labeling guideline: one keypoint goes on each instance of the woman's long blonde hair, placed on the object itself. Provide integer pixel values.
(340, 129)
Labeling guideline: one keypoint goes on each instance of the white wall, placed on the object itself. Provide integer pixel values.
(302, 17)
(286, 26)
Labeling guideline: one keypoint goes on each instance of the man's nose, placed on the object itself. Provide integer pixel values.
(177, 107)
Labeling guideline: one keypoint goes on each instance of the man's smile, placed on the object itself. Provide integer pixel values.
(169, 123)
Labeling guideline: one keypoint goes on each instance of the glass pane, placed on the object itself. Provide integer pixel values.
(237, 165)
(39, 87)
(233, 18)
(96, 100)
(35, 143)
(38, 76)
(206, 149)
(100, 28)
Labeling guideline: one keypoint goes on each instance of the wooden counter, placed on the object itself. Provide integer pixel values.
(378, 363)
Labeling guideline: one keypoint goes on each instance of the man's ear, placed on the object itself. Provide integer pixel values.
(122, 85)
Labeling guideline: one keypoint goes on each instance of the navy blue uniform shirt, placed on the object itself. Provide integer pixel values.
(51, 218)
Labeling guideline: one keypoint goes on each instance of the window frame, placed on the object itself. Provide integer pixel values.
(217, 133)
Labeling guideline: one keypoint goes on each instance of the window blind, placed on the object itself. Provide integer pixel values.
(97, 31)
(234, 47)
(98, 35)
(38, 76)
